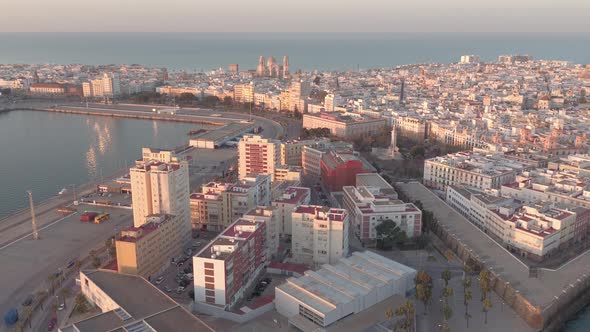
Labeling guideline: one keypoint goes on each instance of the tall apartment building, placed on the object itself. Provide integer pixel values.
(320, 234)
(345, 126)
(244, 93)
(268, 215)
(465, 59)
(286, 204)
(375, 201)
(161, 188)
(297, 91)
(292, 151)
(109, 85)
(257, 155)
(146, 250)
(331, 101)
(229, 264)
(219, 204)
(471, 169)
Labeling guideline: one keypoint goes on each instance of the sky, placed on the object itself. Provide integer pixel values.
(295, 16)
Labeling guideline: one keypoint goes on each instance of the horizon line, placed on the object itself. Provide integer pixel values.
(316, 32)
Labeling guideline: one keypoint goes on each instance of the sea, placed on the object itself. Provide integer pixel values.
(306, 51)
(46, 152)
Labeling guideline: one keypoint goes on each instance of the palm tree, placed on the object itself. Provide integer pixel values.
(389, 313)
(51, 280)
(487, 305)
(423, 283)
(41, 296)
(407, 311)
(484, 283)
(64, 293)
(446, 276)
(27, 313)
(19, 326)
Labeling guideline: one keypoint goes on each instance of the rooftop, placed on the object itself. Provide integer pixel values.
(140, 302)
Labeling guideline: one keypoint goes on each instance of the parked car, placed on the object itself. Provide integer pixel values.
(184, 283)
(167, 289)
(267, 279)
(159, 280)
(61, 307)
(179, 290)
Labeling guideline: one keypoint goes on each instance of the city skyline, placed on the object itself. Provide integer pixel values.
(303, 16)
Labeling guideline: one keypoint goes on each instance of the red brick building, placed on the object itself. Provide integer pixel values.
(339, 169)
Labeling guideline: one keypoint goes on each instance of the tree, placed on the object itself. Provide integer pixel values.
(78, 265)
(81, 303)
(389, 234)
(484, 283)
(407, 311)
(487, 305)
(423, 294)
(423, 283)
(446, 276)
(389, 313)
(27, 315)
(64, 293)
(96, 262)
(19, 325)
(51, 280)
(41, 296)
(417, 152)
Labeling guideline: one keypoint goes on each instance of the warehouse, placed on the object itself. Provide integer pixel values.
(320, 298)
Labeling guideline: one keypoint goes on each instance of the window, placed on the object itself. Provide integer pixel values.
(209, 286)
(209, 292)
(209, 279)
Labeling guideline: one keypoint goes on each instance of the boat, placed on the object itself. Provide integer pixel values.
(63, 191)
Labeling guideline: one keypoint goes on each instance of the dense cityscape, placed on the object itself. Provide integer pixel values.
(439, 196)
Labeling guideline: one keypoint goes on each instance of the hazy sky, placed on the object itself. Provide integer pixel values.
(296, 15)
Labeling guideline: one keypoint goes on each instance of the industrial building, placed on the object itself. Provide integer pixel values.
(320, 298)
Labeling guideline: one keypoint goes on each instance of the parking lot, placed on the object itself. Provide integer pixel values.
(179, 274)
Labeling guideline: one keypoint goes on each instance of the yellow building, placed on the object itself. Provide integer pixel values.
(147, 250)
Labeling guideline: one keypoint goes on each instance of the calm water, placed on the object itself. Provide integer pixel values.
(47, 151)
(196, 51)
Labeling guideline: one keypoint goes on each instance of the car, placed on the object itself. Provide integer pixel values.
(28, 301)
(167, 289)
(180, 289)
(256, 293)
(184, 283)
(181, 263)
(267, 279)
(199, 243)
(159, 280)
(61, 307)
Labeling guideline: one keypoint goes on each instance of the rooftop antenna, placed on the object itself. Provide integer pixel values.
(33, 216)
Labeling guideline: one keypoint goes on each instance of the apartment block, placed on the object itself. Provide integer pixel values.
(292, 151)
(219, 204)
(161, 188)
(268, 215)
(320, 234)
(146, 250)
(229, 264)
(257, 155)
(286, 204)
(311, 158)
(471, 169)
(369, 206)
(288, 173)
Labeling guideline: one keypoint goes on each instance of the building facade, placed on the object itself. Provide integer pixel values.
(286, 204)
(320, 234)
(147, 250)
(257, 155)
(345, 126)
(229, 264)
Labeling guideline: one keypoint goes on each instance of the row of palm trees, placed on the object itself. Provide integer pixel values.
(424, 291)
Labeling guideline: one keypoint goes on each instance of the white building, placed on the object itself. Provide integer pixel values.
(287, 203)
(370, 205)
(257, 155)
(320, 234)
(471, 169)
(465, 59)
(160, 188)
(320, 298)
(230, 263)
